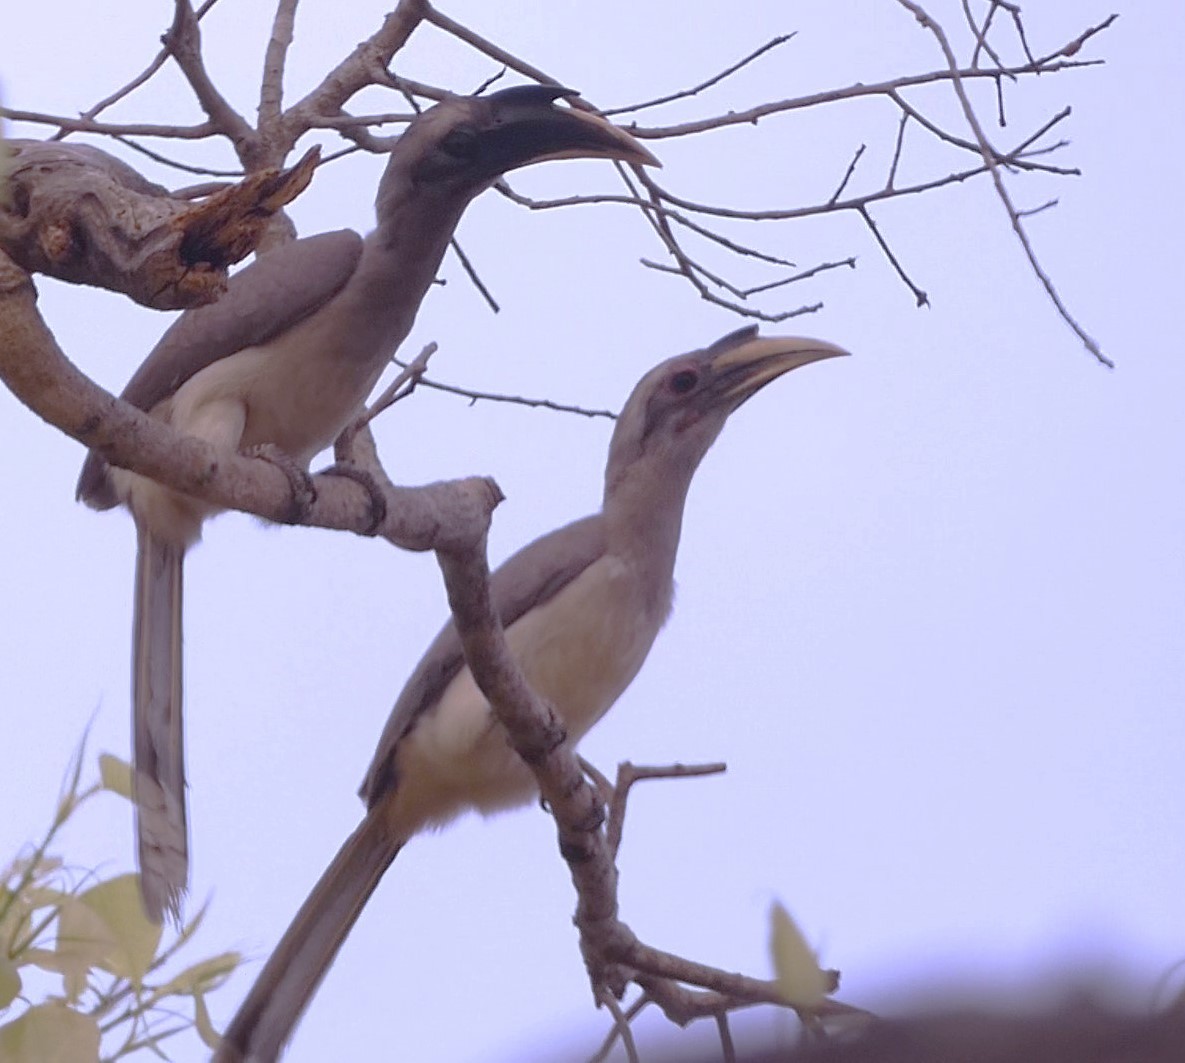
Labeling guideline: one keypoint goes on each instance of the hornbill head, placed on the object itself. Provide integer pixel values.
(465, 143)
(678, 409)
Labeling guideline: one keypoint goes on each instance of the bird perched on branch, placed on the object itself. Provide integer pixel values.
(285, 360)
(581, 607)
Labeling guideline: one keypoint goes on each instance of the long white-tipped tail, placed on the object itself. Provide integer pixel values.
(159, 756)
(266, 1018)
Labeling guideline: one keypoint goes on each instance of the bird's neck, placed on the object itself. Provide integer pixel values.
(643, 519)
(400, 259)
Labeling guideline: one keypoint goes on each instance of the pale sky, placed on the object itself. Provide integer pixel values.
(931, 603)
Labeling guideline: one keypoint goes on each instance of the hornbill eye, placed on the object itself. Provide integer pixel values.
(683, 381)
(460, 143)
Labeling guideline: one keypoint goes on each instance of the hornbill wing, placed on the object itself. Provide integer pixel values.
(275, 292)
(527, 579)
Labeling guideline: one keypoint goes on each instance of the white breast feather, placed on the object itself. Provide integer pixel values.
(579, 651)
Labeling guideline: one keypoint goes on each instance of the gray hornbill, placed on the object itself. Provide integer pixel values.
(285, 360)
(581, 607)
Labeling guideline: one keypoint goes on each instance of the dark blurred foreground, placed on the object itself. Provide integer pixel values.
(1080, 1032)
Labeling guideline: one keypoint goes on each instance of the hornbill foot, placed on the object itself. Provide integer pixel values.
(378, 500)
(300, 483)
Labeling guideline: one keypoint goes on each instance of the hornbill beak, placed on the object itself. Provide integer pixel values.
(743, 363)
(526, 126)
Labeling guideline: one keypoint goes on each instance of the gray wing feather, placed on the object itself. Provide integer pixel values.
(268, 297)
(534, 575)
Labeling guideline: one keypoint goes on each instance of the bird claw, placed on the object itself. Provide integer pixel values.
(300, 483)
(374, 490)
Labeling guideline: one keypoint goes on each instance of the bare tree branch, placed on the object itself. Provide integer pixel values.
(726, 1046)
(518, 400)
(64, 125)
(992, 161)
(271, 91)
(344, 122)
(806, 274)
(453, 519)
(670, 217)
(487, 48)
(695, 90)
(753, 115)
(848, 174)
(401, 387)
(174, 164)
(1075, 46)
(630, 1013)
(356, 71)
(184, 41)
(140, 79)
(981, 34)
(447, 516)
(612, 953)
(621, 1025)
(471, 273)
(84, 216)
(628, 774)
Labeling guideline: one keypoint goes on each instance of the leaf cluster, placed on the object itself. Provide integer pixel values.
(84, 974)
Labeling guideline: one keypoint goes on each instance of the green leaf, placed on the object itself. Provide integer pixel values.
(46, 959)
(132, 938)
(84, 941)
(201, 1021)
(115, 775)
(50, 1033)
(10, 982)
(796, 967)
(203, 976)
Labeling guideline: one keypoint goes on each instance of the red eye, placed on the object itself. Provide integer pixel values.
(683, 381)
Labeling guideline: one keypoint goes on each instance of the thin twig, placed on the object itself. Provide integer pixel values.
(644, 205)
(184, 42)
(201, 131)
(981, 33)
(184, 167)
(847, 174)
(597, 778)
(990, 158)
(411, 374)
(1049, 204)
(805, 274)
(1014, 11)
(344, 120)
(727, 1048)
(471, 273)
(918, 294)
(898, 147)
(518, 400)
(628, 774)
(158, 61)
(631, 1013)
(358, 69)
(486, 47)
(1061, 115)
(361, 137)
(333, 156)
(752, 115)
(408, 86)
(489, 82)
(697, 89)
(1075, 46)
(621, 1024)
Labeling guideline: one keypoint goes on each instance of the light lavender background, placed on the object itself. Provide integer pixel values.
(931, 598)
